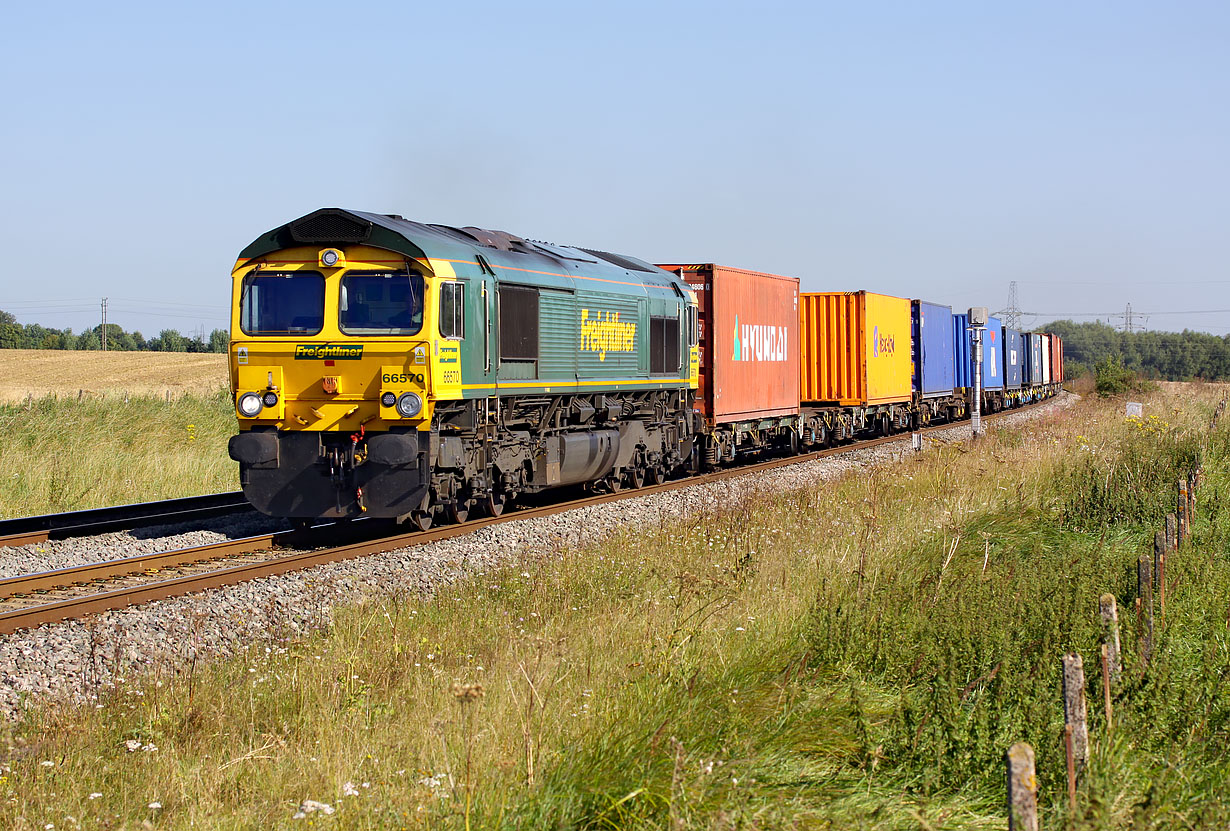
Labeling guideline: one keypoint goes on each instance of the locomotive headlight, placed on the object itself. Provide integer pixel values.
(388, 399)
(409, 404)
(270, 399)
(250, 404)
(330, 257)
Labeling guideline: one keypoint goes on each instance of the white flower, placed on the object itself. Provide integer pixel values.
(311, 806)
(155, 806)
(132, 745)
(349, 789)
(95, 795)
(149, 748)
(47, 763)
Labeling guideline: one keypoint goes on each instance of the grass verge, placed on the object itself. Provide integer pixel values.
(853, 654)
(65, 454)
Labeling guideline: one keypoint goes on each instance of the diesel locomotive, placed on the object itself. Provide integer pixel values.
(390, 368)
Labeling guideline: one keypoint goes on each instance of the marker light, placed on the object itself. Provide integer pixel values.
(409, 404)
(271, 399)
(388, 399)
(329, 258)
(250, 404)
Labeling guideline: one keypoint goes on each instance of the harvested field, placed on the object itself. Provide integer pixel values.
(42, 372)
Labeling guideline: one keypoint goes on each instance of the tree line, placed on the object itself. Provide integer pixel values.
(1170, 356)
(14, 335)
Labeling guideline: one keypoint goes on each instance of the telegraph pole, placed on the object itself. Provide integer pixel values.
(104, 324)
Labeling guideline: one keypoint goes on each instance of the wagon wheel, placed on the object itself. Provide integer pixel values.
(794, 442)
(636, 477)
(655, 474)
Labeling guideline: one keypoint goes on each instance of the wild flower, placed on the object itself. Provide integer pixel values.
(155, 806)
(95, 795)
(311, 806)
(132, 745)
(349, 789)
(47, 763)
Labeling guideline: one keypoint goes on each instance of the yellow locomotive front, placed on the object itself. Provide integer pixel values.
(331, 361)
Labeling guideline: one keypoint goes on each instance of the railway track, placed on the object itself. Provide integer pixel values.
(36, 529)
(31, 600)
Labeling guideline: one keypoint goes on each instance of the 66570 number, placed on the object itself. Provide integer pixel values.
(402, 378)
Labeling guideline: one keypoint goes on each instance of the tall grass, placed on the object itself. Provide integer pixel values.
(64, 454)
(856, 653)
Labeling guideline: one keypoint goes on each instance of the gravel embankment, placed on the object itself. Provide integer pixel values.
(72, 658)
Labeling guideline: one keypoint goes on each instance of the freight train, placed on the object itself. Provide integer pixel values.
(388, 368)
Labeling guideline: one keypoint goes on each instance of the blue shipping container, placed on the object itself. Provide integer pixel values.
(1014, 359)
(1035, 360)
(934, 373)
(992, 349)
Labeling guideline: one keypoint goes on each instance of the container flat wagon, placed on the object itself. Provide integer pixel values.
(934, 367)
(1014, 370)
(992, 361)
(857, 370)
(748, 359)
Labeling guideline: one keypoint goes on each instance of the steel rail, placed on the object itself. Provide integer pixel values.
(36, 529)
(106, 600)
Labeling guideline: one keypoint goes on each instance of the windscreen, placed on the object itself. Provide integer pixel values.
(381, 303)
(282, 303)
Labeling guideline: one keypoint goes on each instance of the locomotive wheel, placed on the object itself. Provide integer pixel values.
(420, 520)
(300, 524)
(492, 504)
(458, 511)
(636, 477)
(655, 475)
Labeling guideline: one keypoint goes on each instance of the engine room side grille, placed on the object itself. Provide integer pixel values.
(329, 226)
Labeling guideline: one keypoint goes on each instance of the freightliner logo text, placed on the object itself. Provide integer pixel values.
(603, 332)
(334, 351)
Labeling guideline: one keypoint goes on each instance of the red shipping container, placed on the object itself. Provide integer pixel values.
(749, 342)
(1056, 359)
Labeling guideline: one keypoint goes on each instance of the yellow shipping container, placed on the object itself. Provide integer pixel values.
(855, 348)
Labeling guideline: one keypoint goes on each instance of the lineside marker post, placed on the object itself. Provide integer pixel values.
(1022, 788)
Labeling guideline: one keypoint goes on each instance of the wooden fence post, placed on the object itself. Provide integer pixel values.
(1181, 514)
(1110, 625)
(1144, 595)
(1110, 721)
(1171, 531)
(1022, 788)
(1074, 715)
(1191, 498)
(1159, 571)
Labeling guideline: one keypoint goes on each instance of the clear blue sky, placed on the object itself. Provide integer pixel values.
(932, 149)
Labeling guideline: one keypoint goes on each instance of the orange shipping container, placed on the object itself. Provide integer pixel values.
(749, 329)
(855, 348)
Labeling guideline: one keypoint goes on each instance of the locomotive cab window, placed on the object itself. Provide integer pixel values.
(282, 303)
(381, 303)
(452, 310)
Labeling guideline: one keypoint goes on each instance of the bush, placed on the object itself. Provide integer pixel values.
(1111, 377)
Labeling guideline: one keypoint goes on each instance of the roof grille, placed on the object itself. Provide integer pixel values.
(329, 226)
(622, 262)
